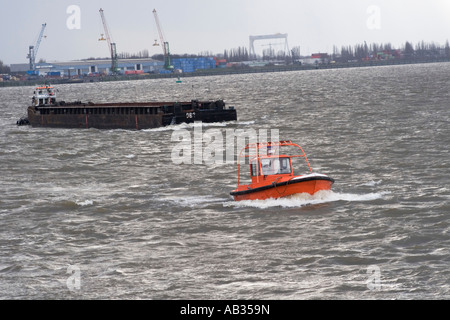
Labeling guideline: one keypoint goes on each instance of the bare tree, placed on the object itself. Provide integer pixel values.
(4, 68)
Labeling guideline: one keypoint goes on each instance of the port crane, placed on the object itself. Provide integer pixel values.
(33, 50)
(165, 44)
(111, 45)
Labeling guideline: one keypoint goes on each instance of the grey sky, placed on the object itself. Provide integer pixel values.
(193, 26)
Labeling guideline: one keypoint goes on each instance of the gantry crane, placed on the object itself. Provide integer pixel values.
(165, 44)
(111, 45)
(32, 50)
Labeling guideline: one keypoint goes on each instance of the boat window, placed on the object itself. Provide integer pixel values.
(285, 166)
(253, 169)
(271, 166)
(267, 166)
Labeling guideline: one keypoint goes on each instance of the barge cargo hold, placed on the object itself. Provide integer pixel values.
(46, 111)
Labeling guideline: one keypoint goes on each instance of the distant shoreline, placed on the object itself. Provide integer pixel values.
(226, 71)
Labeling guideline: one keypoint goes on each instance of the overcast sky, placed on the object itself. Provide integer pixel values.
(194, 26)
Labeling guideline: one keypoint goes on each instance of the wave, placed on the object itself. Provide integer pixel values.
(84, 203)
(191, 201)
(244, 123)
(197, 124)
(372, 183)
(304, 199)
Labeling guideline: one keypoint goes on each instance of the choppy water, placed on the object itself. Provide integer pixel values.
(110, 208)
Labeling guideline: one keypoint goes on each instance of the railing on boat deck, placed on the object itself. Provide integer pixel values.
(260, 145)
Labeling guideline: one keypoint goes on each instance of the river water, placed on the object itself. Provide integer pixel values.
(92, 214)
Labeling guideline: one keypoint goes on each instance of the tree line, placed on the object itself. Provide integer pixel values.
(407, 51)
(138, 55)
(4, 68)
(361, 51)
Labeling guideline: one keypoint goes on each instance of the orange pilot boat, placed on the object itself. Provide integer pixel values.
(272, 174)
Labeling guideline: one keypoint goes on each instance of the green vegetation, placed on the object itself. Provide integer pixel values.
(4, 68)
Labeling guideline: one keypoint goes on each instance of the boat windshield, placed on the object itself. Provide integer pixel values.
(271, 166)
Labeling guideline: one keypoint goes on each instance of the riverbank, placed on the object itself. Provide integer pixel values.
(225, 71)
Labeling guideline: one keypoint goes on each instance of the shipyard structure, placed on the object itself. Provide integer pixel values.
(83, 68)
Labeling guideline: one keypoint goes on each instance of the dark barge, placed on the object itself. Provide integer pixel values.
(46, 111)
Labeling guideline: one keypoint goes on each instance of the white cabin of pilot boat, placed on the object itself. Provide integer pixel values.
(43, 95)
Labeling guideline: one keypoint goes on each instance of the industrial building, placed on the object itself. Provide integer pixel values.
(112, 66)
(125, 66)
(91, 67)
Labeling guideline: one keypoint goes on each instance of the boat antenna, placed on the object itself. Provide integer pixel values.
(193, 90)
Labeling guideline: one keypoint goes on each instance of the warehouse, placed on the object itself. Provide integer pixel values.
(126, 66)
(92, 67)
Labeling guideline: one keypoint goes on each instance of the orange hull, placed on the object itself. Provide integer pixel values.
(275, 191)
(272, 173)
